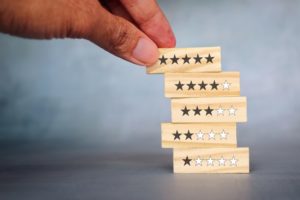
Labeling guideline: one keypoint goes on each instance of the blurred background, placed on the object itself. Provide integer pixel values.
(70, 100)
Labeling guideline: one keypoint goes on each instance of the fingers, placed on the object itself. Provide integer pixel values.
(122, 38)
(151, 20)
(116, 8)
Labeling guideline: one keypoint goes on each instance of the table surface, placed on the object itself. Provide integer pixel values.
(50, 171)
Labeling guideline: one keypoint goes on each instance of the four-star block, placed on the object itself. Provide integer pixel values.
(202, 84)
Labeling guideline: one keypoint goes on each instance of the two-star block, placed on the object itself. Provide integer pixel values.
(198, 135)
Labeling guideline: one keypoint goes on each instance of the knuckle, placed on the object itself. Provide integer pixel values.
(121, 38)
(82, 20)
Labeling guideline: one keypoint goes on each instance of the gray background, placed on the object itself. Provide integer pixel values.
(79, 123)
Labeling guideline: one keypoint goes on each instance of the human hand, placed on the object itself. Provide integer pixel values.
(130, 29)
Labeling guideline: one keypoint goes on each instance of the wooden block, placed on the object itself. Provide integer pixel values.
(187, 60)
(202, 84)
(200, 135)
(212, 160)
(212, 109)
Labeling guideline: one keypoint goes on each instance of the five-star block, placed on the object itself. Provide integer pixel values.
(185, 59)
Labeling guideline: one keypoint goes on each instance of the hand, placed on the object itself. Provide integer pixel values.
(130, 29)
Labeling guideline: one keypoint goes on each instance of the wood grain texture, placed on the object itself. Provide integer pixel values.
(211, 160)
(201, 84)
(234, 109)
(200, 135)
(209, 60)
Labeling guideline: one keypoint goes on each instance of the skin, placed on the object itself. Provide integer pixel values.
(130, 29)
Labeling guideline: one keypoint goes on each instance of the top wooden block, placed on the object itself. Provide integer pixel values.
(187, 60)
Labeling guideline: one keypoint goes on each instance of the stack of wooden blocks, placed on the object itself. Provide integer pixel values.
(205, 106)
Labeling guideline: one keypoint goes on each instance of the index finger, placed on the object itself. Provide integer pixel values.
(151, 20)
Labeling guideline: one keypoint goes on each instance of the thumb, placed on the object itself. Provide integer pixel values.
(121, 38)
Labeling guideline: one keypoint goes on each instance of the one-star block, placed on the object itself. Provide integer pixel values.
(211, 160)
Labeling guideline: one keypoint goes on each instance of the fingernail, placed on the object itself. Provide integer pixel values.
(145, 51)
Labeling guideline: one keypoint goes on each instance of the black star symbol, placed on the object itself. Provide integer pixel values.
(176, 135)
(197, 111)
(191, 85)
(214, 85)
(197, 59)
(187, 161)
(188, 135)
(186, 59)
(185, 111)
(208, 111)
(209, 59)
(179, 85)
(202, 85)
(174, 59)
(163, 60)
